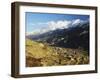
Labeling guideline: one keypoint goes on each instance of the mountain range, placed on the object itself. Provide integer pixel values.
(76, 36)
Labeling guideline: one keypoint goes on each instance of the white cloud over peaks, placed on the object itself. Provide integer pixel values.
(52, 25)
(60, 24)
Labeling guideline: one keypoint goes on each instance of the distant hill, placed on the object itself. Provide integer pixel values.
(73, 37)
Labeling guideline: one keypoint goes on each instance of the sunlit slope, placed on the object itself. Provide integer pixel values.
(37, 50)
(41, 54)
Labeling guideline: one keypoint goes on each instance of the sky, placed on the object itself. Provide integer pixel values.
(44, 22)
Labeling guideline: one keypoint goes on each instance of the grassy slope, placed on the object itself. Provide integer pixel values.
(41, 54)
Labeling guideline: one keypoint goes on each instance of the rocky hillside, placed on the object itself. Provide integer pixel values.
(42, 54)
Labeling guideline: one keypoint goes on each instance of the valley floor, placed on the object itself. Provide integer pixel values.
(42, 54)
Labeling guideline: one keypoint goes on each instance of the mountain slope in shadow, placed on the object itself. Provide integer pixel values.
(72, 37)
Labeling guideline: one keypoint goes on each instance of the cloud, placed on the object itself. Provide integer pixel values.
(53, 25)
(60, 24)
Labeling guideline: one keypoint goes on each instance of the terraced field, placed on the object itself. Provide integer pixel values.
(42, 54)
